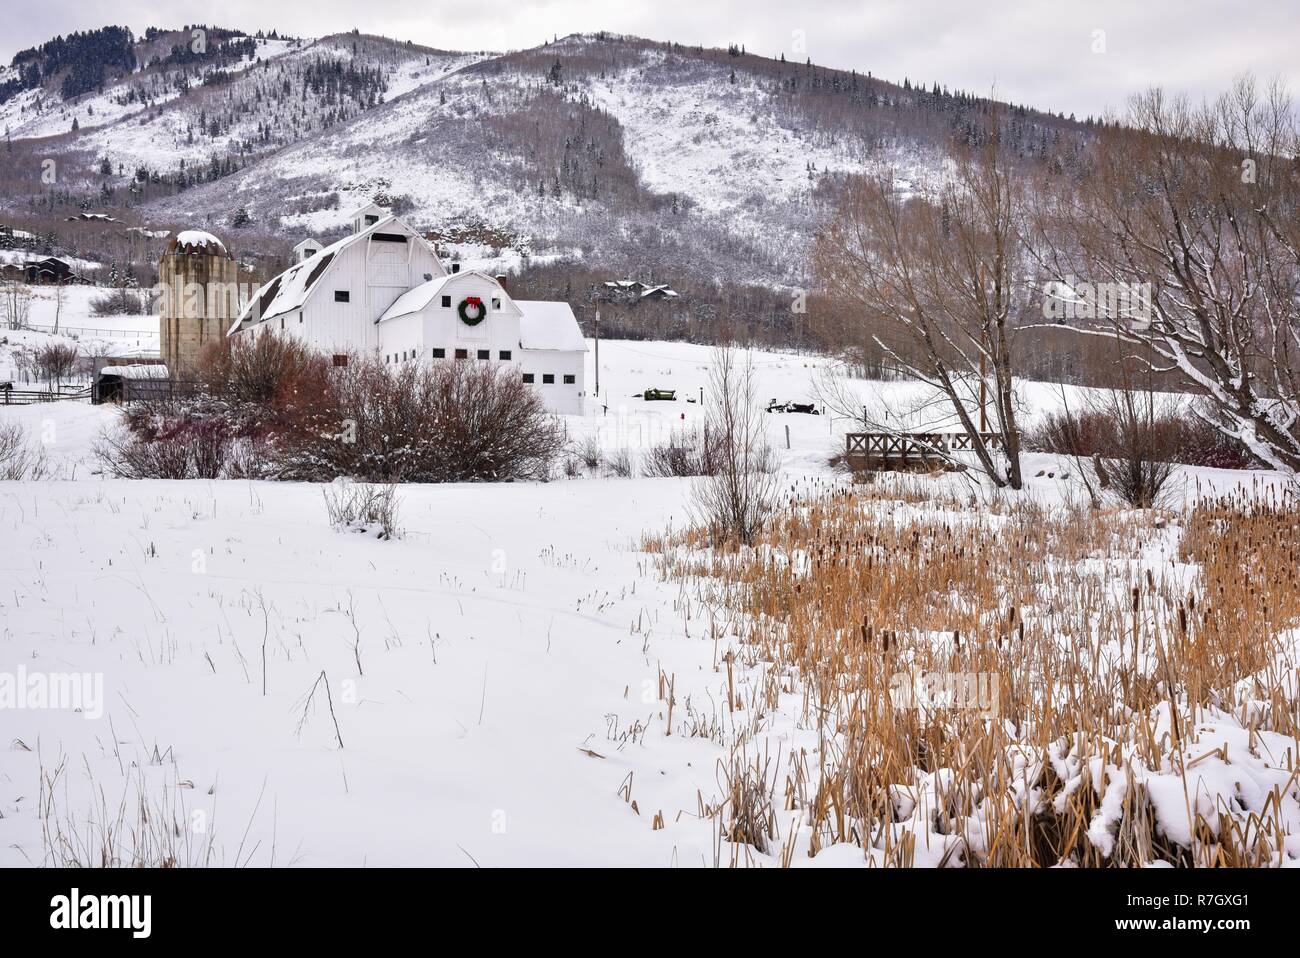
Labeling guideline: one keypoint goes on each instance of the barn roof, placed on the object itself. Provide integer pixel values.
(418, 297)
(136, 371)
(549, 325)
(291, 288)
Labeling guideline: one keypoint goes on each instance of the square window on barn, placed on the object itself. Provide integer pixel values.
(439, 353)
(496, 304)
(570, 379)
(342, 296)
(340, 359)
(505, 355)
(528, 377)
(371, 219)
(485, 354)
(548, 379)
(462, 354)
(446, 302)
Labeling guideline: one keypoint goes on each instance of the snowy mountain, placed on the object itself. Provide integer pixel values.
(625, 155)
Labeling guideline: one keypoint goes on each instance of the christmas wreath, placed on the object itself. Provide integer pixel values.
(474, 318)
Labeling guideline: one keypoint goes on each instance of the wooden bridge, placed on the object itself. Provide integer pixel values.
(907, 451)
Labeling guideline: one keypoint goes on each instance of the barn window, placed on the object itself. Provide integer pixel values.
(496, 303)
(485, 354)
(504, 354)
(340, 359)
(528, 377)
(342, 296)
(371, 219)
(548, 379)
(439, 352)
(446, 302)
(462, 354)
(570, 379)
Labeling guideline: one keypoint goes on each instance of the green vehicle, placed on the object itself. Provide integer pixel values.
(651, 395)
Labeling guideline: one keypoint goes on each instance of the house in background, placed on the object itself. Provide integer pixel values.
(382, 290)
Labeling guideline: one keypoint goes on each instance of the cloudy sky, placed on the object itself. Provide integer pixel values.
(1077, 56)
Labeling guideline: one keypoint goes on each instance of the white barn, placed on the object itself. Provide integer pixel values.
(382, 290)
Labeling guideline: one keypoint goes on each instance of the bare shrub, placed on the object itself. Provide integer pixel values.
(15, 303)
(620, 463)
(688, 453)
(733, 502)
(184, 448)
(56, 362)
(445, 422)
(120, 302)
(588, 452)
(1132, 437)
(1140, 464)
(21, 457)
(362, 507)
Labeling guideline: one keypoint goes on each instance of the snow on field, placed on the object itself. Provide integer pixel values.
(69, 311)
(483, 690)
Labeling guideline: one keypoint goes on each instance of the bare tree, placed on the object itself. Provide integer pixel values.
(941, 283)
(55, 362)
(15, 302)
(1195, 212)
(733, 502)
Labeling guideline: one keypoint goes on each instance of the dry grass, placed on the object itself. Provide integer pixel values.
(1006, 684)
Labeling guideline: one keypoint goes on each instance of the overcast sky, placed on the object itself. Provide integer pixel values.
(1079, 56)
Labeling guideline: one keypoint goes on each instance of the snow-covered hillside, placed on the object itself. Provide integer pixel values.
(690, 164)
(39, 112)
(487, 689)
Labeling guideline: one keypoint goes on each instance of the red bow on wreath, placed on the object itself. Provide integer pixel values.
(474, 300)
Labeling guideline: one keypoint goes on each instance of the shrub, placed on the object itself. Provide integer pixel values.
(588, 452)
(451, 421)
(620, 463)
(20, 457)
(362, 507)
(688, 453)
(1184, 436)
(55, 362)
(181, 449)
(732, 504)
(120, 302)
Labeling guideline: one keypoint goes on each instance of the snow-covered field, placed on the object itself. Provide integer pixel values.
(485, 689)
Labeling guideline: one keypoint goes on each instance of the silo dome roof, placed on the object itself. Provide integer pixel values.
(196, 241)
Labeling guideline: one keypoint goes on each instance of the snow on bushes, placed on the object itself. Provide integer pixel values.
(277, 410)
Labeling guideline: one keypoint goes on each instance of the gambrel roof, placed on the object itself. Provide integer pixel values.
(291, 289)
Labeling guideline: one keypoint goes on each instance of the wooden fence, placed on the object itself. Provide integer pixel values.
(26, 397)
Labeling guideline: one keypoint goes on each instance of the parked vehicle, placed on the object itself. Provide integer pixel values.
(803, 407)
(650, 395)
